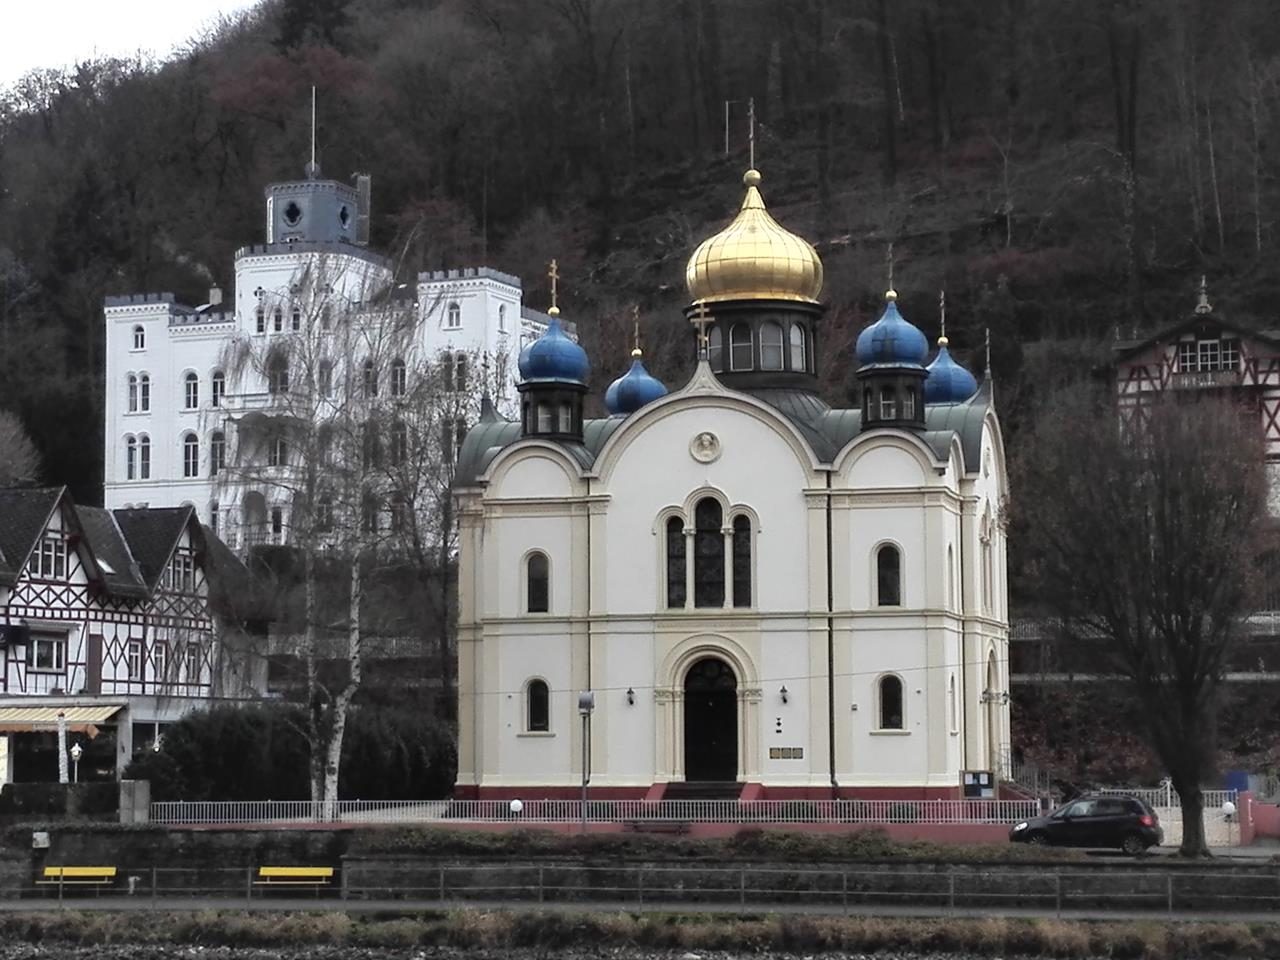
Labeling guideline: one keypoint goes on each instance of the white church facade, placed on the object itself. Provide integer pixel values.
(766, 596)
(187, 426)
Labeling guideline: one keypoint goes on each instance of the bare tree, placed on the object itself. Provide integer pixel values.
(19, 460)
(1144, 534)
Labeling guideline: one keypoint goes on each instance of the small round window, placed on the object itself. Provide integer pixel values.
(292, 213)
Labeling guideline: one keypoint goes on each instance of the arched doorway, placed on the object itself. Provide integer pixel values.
(710, 721)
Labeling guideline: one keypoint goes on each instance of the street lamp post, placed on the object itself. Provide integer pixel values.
(77, 752)
(586, 704)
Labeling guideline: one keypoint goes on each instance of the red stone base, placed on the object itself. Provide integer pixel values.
(750, 791)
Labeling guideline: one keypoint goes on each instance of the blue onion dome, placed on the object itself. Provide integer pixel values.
(553, 356)
(891, 339)
(948, 382)
(633, 389)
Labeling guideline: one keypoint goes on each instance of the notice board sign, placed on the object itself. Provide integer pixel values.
(978, 785)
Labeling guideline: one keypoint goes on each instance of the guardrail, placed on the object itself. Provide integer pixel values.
(919, 889)
(596, 811)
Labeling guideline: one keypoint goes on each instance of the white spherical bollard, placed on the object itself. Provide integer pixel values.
(516, 806)
(1228, 809)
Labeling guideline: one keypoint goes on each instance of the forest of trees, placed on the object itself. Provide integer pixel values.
(1062, 168)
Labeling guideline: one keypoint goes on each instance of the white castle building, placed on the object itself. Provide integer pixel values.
(766, 596)
(178, 413)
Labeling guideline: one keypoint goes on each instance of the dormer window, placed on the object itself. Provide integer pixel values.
(1208, 355)
(49, 561)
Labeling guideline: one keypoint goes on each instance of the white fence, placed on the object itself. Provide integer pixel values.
(1221, 829)
(280, 812)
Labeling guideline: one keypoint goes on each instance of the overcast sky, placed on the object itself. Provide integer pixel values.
(57, 33)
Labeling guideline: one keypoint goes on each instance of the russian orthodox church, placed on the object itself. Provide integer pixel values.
(760, 592)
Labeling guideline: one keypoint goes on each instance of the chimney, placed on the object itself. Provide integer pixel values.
(364, 199)
(215, 296)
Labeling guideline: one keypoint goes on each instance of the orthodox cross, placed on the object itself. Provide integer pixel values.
(635, 320)
(889, 260)
(313, 127)
(554, 274)
(751, 131)
(702, 319)
(942, 312)
(987, 373)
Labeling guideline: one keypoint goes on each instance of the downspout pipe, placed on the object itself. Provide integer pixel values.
(831, 654)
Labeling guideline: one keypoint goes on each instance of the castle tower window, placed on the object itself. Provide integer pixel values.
(770, 346)
(453, 317)
(888, 576)
(502, 318)
(537, 583)
(446, 369)
(278, 374)
(190, 456)
(139, 338)
(191, 391)
(133, 393)
(740, 347)
(799, 359)
(460, 373)
(260, 316)
(217, 452)
(144, 457)
(399, 378)
(144, 393)
(324, 444)
(399, 443)
(324, 513)
(277, 320)
(324, 378)
(295, 319)
(217, 388)
(538, 707)
(890, 703)
(277, 524)
(213, 516)
(715, 349)
(369, 513)
(396, 513)
(278, 451)
(370, 379)
(741, 561)
(130, 458)
(676, 563)
(326, 318)
(371, 446)
(708, 554)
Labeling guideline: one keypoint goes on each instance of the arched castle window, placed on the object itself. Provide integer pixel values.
(715, 349)
(676, 592)
(324, 444)
(260, 319)
(453, 316)
(371, 443)
(191, 391)
(399, 442)
(324, 513)
(370, 379)
(446, 370)
(708, 554)
(144, 457)
(217, 452)
(295, 319)
(396, 513)
(399, 378)
(742, 561)
(277, 451)
(890, 697)
(460, 372)
(770, 346)
(277, 320)
(888, 576)
(502, 318)
(213, 516)
(278, 374)
(133, 393)
(740, 347)
(324, 378)
(326, 318)
(369, 512)
(190, 455)
(139, 338)
(537, 707)
(537, 583)
(144, 392)
(799, 358)
(131, 458)
(217, 388)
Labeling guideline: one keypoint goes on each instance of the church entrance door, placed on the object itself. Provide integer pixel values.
(710, 721)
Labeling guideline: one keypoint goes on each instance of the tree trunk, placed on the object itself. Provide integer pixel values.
(333, 750)
(445, 709)
(1191, 798)
(315, 695)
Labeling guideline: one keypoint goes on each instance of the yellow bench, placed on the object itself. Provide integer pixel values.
(282, 876)
(67, 875)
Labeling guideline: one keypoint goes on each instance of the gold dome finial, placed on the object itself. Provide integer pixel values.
(754, 258)
(553, 273)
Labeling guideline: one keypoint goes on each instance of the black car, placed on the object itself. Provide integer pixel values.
(1124, 823)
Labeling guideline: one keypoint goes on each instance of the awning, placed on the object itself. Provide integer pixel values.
(27, 719)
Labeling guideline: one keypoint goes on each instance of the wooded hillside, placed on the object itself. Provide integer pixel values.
(1061, 167)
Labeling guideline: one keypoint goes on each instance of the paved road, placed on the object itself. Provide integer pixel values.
(279, 904)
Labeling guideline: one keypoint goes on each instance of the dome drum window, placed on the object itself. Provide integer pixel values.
(762, 345)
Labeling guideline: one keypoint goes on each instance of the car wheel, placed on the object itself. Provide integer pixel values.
(1038, 840)
(1133, 845)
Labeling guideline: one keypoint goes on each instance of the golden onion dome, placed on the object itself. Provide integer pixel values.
(753, 258)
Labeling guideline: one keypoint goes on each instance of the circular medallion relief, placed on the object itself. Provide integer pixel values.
(705, 447)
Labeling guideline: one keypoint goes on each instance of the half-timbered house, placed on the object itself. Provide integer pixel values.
(105, 619)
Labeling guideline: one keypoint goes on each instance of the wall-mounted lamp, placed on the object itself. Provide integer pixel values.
(631, 697)
(783, 693)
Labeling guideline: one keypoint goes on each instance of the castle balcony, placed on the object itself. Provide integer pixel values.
(1206, 380)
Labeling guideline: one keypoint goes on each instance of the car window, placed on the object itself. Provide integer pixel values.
(1081, 808)
(1111, 808)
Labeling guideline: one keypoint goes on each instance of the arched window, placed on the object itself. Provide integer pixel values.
(537, 707)
(213, 516)
(888, 576)
(217, 452)
(277, 525)
(399, 442)
(133, 393)
(453, 316)
(399, 378)
(217, 388)
(260, 316)
(676, 566)
(369, 509)
(397, 513)
(277, 320)
(446, 369)
(144, 392)
(460, 372)
(191, 391)
(770, 346)
(890, 703)
(740, 347)
(278, 374)
(708, 554)
(324, 379)
(144, 457)
(799, 359)
(370, 379)
(295, 319)
(190, 455)
(715, 349)
(742, 561)
(130, 458)
(537, 583)
(324, 513)
(278, 451)
(371, 446)
(502, 318)
(139, 338)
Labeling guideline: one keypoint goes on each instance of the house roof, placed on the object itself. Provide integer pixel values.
(120, 574)
(152, 533)
(1124, 349)
(24, 514)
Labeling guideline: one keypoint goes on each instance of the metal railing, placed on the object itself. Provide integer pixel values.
(920, 889)
(598, 811)
(1165, 798)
